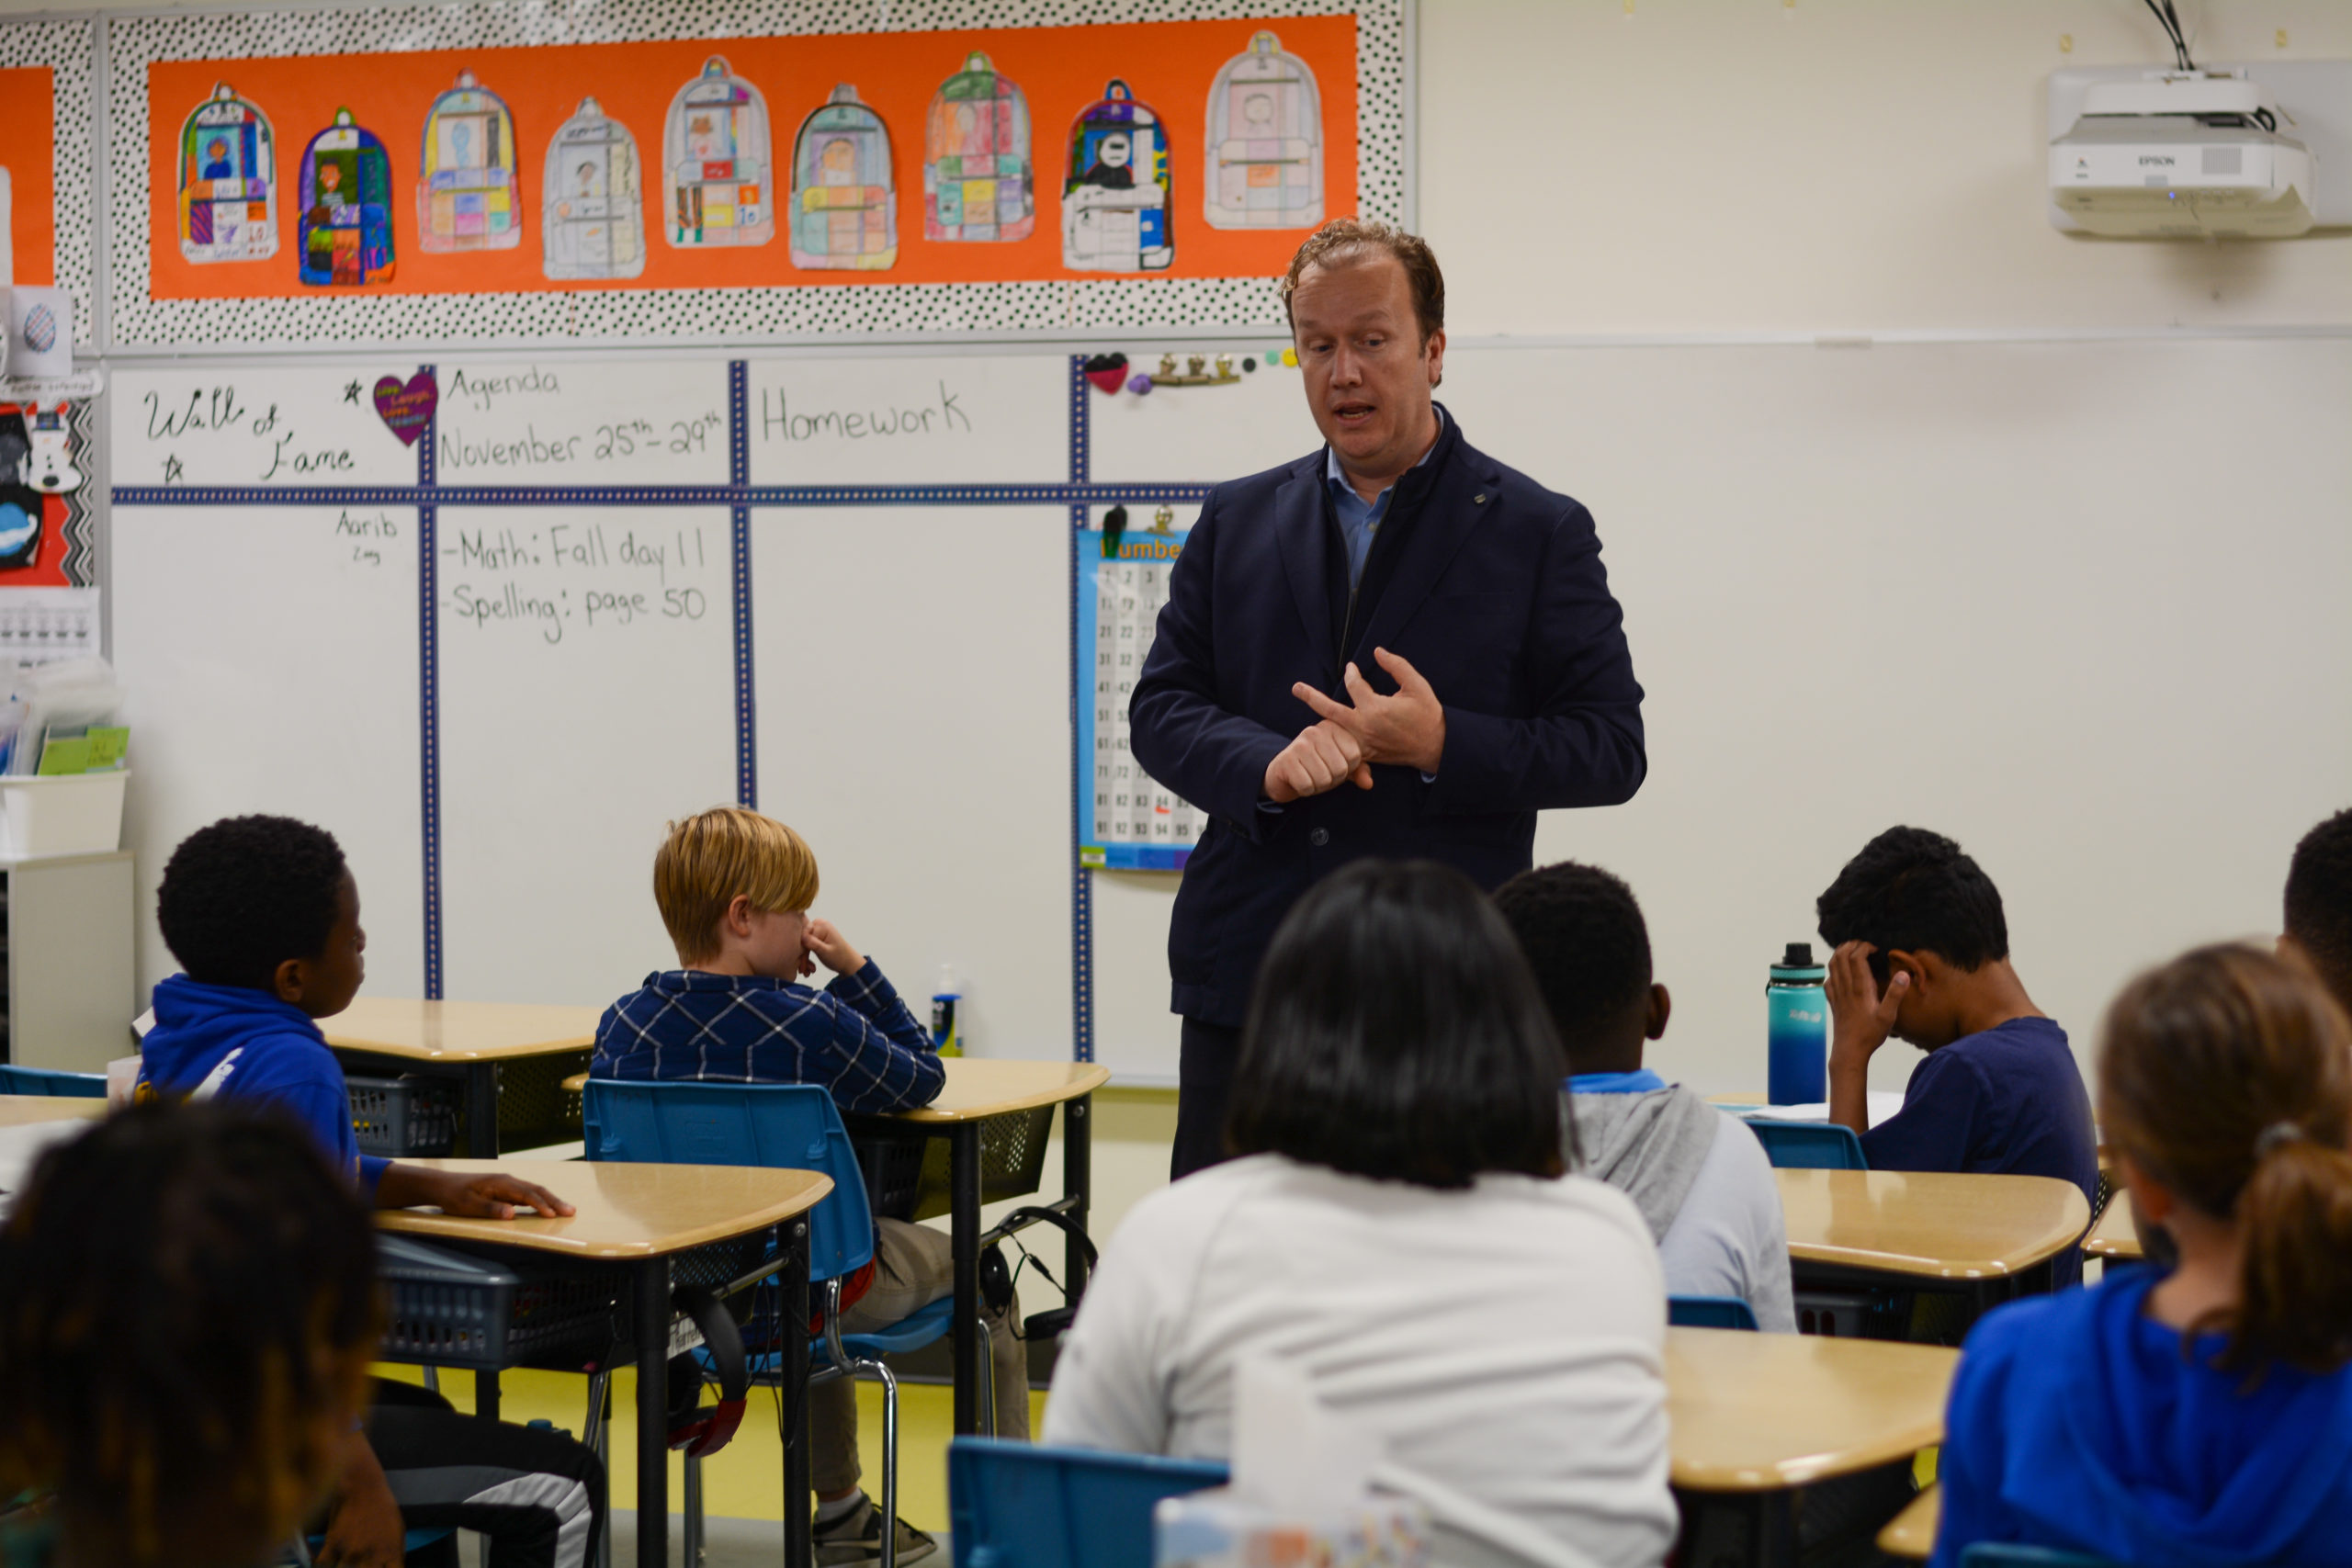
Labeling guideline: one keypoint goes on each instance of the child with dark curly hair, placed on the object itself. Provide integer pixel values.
(188, 1308)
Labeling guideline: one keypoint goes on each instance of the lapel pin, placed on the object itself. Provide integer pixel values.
(1479, 498)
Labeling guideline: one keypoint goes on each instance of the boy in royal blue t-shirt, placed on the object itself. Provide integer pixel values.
(1922, 955)
(263, 915)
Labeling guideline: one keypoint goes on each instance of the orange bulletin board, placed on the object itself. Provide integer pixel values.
(28, 147)
(1169, 66)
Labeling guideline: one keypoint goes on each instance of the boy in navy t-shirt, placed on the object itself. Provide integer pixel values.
(1922, 955)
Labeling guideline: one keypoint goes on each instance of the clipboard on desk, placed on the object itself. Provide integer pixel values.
(1128, 820)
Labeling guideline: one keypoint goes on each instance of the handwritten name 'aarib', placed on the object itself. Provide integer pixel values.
(780, 420)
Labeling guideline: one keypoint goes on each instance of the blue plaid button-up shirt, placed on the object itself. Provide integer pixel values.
(856, 1037)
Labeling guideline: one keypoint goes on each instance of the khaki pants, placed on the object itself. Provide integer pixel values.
(913, 1266)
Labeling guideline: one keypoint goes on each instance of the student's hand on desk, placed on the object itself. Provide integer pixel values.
(364, 1531)
(494, 1195)
(1407, 728)
(831, 949)
(1859, 1018)
(1323, 758)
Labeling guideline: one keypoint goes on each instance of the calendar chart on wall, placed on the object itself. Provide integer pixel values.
(1128, 821)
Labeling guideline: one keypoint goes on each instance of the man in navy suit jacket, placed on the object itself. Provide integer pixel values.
(1396, 647)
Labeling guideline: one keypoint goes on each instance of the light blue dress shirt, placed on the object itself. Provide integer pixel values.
(1360, 519)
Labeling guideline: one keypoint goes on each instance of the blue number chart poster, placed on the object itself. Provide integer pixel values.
(1129, 821)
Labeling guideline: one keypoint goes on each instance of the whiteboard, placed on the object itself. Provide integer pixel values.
(595, 704)
(912, 669)
(965, 420)
(281, 426)
(560, 420)
(271, 656)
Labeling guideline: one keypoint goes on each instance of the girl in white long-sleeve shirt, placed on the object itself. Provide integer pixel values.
(1398, 1229)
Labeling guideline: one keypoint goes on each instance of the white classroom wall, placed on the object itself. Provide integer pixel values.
(1722, 169)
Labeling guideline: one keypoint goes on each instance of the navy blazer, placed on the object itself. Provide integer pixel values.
(1488, 583)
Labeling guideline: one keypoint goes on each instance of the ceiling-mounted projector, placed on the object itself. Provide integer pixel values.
(2183, 154)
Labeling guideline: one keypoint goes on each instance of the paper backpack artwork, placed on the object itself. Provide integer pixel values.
(1265, 141)
(1115, 196)
(228, 192)
(978, 180)
(469, 197)
(844, 208)
(346, 196)
(715, 173)
(593, 219)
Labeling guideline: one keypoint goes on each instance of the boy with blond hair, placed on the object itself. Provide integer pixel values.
(735, 889)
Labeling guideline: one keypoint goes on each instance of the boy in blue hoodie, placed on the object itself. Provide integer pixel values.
(263, 916)
(2200, 1415)
(1921, 954)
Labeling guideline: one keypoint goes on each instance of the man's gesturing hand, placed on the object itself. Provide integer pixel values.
(1407, 728)
(1323, 757)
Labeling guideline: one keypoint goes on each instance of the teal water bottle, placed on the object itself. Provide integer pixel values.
(1796, 1009)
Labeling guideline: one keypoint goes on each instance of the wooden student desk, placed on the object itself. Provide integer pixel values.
(531, 1046)
(1986, 1237)
(1912, 1532)
(2116, 1237)
(980, 1089)
(29, 1109)
(1755, 1416)
(636, 1218)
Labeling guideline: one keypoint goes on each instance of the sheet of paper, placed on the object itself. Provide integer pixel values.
(41, 626)
(20, 1146)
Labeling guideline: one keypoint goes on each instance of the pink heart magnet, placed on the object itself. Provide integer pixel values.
(407, 408)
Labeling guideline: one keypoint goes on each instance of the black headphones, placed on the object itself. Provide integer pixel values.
(693, 1428)
(996, 1275)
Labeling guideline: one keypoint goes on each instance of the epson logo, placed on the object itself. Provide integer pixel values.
(2156, 160)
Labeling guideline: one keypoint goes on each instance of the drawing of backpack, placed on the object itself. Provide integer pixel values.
(978, 182)
(228, 190)
(470, 186)
(714, 172)
(1265, 141)
(1116, 194)
(346, 189)
(593, 218)
(845, 204)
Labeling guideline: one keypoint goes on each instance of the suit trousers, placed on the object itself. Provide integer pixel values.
(1205, 1080)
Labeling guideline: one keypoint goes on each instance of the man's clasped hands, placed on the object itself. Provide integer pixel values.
(1407, 728)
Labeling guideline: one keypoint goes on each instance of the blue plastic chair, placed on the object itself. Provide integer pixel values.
(1809, 1145)
(1019, 1506)
(48, 1080)
(1708, 1312)
(789, 1127)
(2003, 1555)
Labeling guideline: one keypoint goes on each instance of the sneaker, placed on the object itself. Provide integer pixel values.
(856, 1538)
